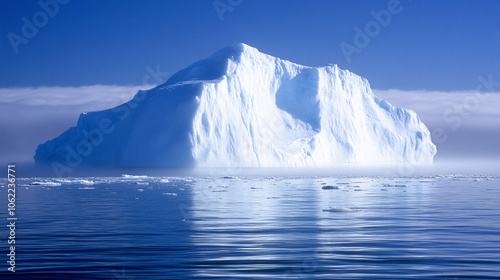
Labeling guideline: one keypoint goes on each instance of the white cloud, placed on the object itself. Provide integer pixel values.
(452, 109)
(31, 116)
(96, 96)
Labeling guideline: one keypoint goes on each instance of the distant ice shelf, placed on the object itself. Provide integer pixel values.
(243, 108)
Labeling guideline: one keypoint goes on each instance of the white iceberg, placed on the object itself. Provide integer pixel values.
(244, 108)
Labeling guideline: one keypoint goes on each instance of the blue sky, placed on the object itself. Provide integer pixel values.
(92, 55)
(429, 45)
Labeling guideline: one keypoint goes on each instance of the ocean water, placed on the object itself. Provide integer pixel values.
(255, 227)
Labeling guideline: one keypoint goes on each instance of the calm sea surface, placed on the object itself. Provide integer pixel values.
(429, 227)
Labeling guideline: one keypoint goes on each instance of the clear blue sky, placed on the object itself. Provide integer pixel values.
(432, 45)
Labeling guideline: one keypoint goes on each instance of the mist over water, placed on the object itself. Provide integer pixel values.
(439, 167)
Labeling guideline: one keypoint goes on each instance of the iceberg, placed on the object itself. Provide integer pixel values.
(244, 108)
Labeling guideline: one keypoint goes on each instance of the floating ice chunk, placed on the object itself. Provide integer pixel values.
(395, 186)
(84, 182)
(330, 187)
(46, 184)
(173, 194)
(133, 176)
(63, 181)
(86, 188)
(339, 209)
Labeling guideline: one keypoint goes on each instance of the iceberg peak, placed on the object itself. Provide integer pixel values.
(239, 48)
(215, 66)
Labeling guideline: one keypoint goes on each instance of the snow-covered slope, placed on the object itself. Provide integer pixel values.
(241, 107)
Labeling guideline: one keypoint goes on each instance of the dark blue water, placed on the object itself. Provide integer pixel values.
(439, 227)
